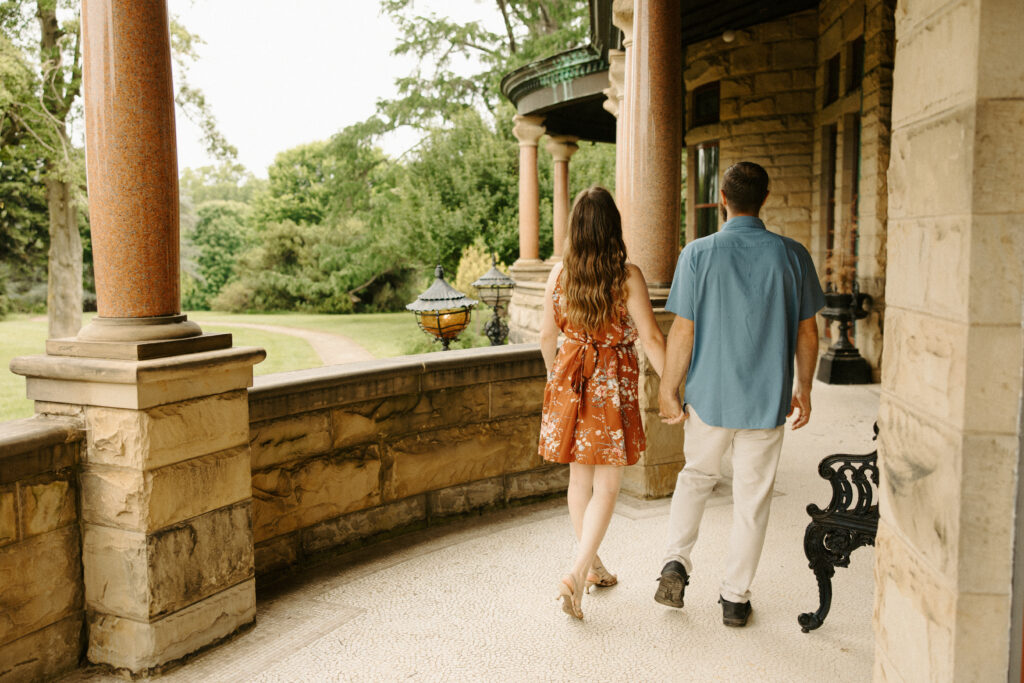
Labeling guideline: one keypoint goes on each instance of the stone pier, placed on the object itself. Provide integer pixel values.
(165, 475)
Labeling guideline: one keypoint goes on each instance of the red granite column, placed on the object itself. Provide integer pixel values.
(656, 139)
(132, 171)
(561, 148)
(528, 130)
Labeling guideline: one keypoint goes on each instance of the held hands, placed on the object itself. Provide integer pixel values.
(802, 404)
(670, 409)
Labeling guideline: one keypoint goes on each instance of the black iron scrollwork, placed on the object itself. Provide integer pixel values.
(849, 522)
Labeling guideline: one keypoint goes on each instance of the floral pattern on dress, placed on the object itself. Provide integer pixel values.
(591, 411)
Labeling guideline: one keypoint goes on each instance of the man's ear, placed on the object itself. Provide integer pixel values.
(766, 194)
(722, 199)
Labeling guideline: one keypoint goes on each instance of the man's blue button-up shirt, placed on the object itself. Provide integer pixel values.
(746, 290)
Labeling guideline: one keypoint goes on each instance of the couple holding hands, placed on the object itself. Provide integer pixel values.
(744, 300)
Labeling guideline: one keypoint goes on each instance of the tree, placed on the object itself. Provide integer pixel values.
(44, 49)
(436, 90)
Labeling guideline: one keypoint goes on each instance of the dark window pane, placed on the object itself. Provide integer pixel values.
(707, 222)
(855, 72)
(707, 173)
(832, 80)
(705, 105)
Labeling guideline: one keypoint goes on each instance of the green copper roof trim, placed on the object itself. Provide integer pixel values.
(552, 71)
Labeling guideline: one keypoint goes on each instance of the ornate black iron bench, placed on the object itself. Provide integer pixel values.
(849, 522)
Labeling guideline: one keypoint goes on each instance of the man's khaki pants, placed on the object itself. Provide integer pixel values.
(754, 462)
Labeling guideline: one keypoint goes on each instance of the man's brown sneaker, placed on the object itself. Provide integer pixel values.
(672, 584)
(734, 613)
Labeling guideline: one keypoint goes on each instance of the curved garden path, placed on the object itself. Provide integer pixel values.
(333, 349)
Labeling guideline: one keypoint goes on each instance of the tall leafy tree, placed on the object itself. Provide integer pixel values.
(439, 86)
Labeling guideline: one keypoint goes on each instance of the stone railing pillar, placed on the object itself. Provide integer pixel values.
(166, 482)
(528, 131)
(561, 148)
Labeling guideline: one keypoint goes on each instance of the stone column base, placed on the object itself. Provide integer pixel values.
(526, 309)
(166, 502)
(655, 475)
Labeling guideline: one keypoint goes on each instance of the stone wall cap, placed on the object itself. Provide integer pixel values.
(132, 372)
(269, 386)
(31, 434)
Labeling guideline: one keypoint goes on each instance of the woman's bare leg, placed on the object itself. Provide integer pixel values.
(581, 487)
(598, 514)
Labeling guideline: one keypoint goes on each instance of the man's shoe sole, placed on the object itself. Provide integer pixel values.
(670, 590)
(735, 623)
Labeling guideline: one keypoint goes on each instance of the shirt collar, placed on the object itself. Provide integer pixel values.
(744, 222)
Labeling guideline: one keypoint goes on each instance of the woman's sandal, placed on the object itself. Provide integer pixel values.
(599, 576)
(567, 592)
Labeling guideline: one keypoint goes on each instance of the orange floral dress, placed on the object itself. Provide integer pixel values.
(591, 409)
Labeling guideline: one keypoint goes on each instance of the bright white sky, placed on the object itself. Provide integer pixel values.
(282, 73)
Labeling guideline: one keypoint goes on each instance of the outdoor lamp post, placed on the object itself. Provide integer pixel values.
(495, 289)
(442, 311)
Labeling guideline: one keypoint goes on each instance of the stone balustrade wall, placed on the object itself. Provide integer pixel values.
(344, 454)
(41, 588)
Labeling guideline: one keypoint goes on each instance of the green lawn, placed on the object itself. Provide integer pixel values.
(382, 334)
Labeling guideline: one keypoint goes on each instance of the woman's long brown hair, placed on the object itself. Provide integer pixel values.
(594, 266)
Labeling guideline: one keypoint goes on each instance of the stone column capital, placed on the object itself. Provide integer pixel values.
(622, 17)
(611, 103)
(528, 129)
(617, 71)
(562, 147)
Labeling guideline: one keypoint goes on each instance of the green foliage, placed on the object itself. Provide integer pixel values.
(435, 92)
(475, 261)
(220, 236)
(461, 186)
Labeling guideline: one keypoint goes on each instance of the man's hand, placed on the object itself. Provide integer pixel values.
(801, 403)
(670, 410)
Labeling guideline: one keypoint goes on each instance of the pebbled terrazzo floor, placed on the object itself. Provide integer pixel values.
(474, 600)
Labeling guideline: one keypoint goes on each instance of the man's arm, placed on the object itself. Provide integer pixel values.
(806, 359)
(678, 352)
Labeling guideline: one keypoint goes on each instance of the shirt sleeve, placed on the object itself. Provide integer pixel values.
(680, 296)
(812, 299)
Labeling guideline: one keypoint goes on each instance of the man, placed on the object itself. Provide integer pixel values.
(745, 300)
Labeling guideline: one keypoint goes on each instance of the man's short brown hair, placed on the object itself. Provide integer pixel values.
(745, 186)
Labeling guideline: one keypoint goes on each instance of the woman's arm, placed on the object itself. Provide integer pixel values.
(638, 303)
(548, 327)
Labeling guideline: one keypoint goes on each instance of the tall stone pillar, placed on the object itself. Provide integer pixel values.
(616, 107)
(529, 272)
(648, 167)
(132, 172)
(166, 483)
(656, 139)
(622, 17)
(561, 148)
(950, 432)
(528, 131)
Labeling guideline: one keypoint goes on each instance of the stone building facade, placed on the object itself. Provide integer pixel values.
(893, 136)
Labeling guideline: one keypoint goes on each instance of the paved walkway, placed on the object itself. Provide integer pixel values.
(474, 601)
(333, 349)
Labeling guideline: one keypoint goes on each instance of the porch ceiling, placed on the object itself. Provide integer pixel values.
(703, 19)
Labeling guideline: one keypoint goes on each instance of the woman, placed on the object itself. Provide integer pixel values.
(591, 417)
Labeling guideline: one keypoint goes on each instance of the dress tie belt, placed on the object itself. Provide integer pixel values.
(585, 362)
